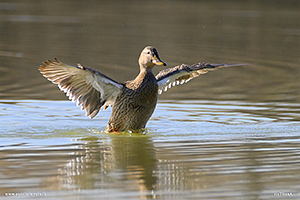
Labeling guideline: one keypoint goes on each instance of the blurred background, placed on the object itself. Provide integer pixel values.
(109, 36)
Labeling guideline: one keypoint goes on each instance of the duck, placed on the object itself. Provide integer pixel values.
(133, 102)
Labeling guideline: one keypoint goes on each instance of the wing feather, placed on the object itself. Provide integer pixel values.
(184, 73)
(89, 88)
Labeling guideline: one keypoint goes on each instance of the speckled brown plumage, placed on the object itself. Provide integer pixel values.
(135, 104)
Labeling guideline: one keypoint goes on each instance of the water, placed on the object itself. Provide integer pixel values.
(193, 149)
(229, 134)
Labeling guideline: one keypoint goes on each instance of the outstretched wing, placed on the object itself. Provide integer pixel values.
(88, 87)
(184, 73)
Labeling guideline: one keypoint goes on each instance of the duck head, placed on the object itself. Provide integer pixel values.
(149, 58)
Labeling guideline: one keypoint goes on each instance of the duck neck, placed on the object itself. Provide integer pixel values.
(144, 72)
(144, 77)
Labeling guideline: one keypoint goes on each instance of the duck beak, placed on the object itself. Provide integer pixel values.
(157, 61)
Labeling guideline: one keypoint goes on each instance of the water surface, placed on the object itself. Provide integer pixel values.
(193, 149)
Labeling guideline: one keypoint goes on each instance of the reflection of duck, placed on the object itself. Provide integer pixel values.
(137, 157)
(97, 162)
(133, 101)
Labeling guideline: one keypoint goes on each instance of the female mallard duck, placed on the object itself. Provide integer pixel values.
(133, 102)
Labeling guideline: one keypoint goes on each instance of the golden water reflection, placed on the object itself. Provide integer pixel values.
(152, 169)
